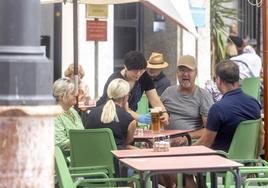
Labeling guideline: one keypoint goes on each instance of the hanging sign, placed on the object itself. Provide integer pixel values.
(96, 30)
(96, 11)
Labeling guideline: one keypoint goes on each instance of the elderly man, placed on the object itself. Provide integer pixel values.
(186, 103)
(234, 107)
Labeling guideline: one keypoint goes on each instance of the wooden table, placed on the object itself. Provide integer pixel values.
(173, 151)
(148, 134)
(183, 164)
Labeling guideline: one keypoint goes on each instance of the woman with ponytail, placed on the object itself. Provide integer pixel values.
(113, 114)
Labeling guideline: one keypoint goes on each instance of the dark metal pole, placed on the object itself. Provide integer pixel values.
(96, 64)
(75, 45)
(57, 40)
(265, 72)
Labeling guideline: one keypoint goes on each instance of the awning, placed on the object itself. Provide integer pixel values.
(177, 11)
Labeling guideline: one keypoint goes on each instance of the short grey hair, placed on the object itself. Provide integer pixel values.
(62, 87)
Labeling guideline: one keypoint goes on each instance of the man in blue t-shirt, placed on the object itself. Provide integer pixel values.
(234, 107)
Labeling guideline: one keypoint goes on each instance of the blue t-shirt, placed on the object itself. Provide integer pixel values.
(225, 115)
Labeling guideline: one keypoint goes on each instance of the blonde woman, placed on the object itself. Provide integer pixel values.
(83, 89)
(63, 91)
(113, 114)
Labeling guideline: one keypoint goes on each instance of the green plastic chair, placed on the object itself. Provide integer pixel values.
(244, 145)
(245, 142)
(98, 179)
(143, 108)
(254, 177)
(251, 86)
(143, 105)
(92, 147)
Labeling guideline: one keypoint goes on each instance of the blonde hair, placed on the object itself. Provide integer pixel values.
(62, 87)
(69, 72)
(117, 89)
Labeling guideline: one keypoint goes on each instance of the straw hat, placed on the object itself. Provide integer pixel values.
(156, 61)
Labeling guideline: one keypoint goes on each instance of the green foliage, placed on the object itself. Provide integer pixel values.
(219, 14)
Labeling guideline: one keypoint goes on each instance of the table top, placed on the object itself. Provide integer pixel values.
(173, 151)
(148, 134)
(202, 163)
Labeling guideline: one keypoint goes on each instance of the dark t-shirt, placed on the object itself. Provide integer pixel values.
(119, 129)
(161, 82)
(225, 115)
(145, 83)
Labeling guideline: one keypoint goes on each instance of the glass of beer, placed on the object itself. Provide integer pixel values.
(155, 125)
(160, 111)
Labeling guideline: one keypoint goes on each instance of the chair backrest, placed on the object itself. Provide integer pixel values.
(92, 147)
(245, 141)
(251, 86)
(143, 105)
(63, 175)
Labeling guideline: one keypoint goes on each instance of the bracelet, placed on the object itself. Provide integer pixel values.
(164, 112)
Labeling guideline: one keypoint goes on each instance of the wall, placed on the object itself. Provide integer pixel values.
(47, 24)
(164, 42)
(202, 50)
(175, 41)
(86, 48)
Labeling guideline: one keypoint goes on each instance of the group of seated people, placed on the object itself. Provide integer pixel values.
(185, 106)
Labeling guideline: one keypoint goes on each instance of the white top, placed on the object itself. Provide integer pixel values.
(250, 65)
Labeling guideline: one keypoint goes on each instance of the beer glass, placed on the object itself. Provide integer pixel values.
(155, 125)
(160, 111)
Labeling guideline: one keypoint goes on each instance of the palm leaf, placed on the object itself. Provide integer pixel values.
(219, 15)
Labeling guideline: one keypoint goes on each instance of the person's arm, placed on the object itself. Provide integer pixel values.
(196, 133)
(61, 138)
(103, 98)
(130, 135)
(207, 138)
(155, 101)
(141, 118)
(204, 120)
(131, 112)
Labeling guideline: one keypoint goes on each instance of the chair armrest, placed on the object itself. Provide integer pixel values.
(256, 161)
(90, 169)
(253, 169)
(107, 180)
(254, 180)
(90, 174)
(222, 153)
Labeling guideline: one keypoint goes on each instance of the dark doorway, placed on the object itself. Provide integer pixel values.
(128, 31)
(251, 22)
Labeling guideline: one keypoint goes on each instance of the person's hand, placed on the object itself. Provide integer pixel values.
(145, 118)
(164, 118)
(126, 107)
(179, 141)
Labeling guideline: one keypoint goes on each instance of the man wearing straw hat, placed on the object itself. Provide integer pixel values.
(155, 66)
